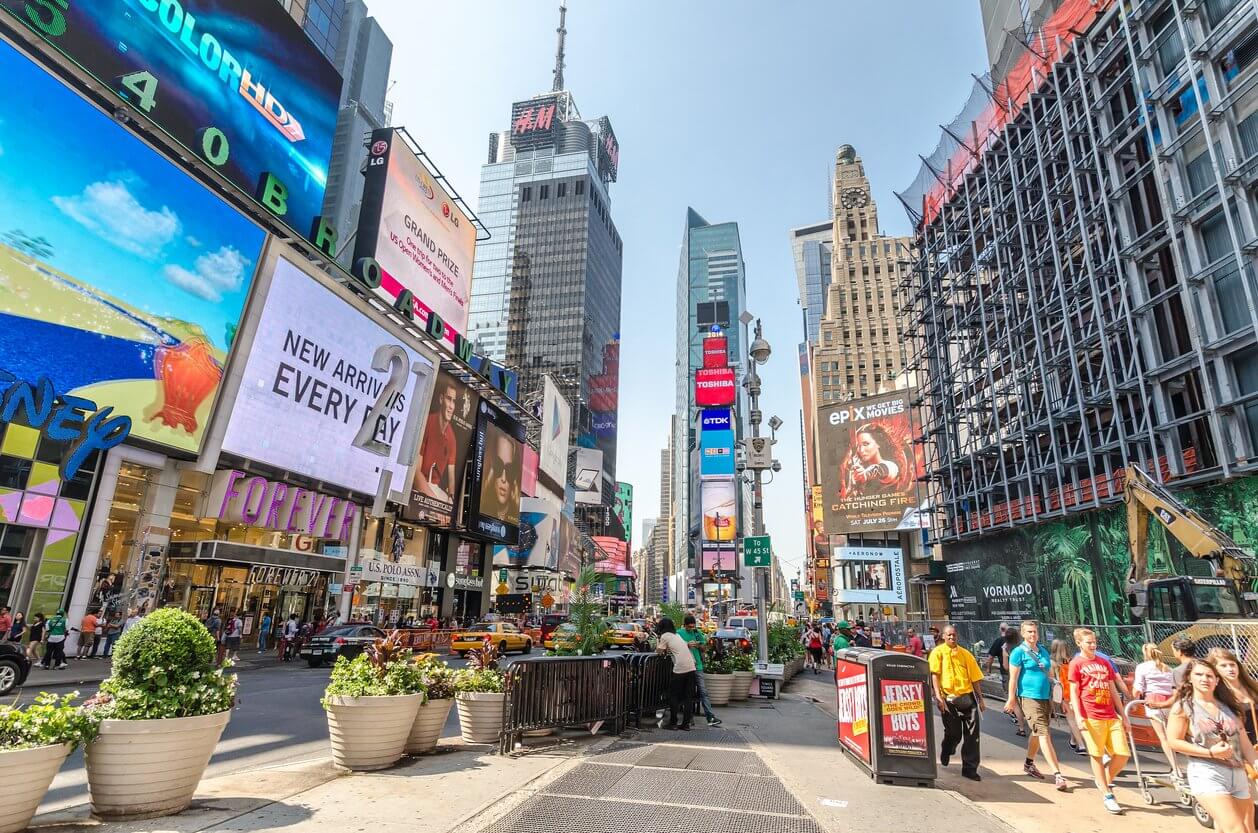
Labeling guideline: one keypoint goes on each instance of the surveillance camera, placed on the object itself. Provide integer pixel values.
(121, 116)
(777, 466)
(775, 423)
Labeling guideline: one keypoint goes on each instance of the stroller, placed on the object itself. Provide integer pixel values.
(1148, 779)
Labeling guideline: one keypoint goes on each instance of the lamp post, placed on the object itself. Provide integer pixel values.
(759, 351)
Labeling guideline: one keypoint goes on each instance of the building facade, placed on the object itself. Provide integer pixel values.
(1084, 301)
(321, 20)
(813, 247)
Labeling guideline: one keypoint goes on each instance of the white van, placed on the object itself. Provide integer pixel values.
(751, 623)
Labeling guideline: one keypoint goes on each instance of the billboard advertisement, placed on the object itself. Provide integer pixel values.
(715, 352)
(535, 122)
(608, 150)
(528, 482)
(421, 237)
(904, 718)
(588, 476)
(623, 508)
(719, 558)
(443, 451)
(869, 575)
(538, 546)
(569, 547)
(867, 464)
(853, 707)
(122, 279)
(716, 453)
(719, 499)
(496, 472)
(716, 419)
(556, 429)
(308, 388)
(237, 83)
(714, 386)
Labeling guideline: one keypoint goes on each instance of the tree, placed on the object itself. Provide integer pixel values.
(39, 248)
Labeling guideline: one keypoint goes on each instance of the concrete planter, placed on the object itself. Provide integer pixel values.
(370, 733)
(719, 687)
(742, 685)
(142, 769)
(480, 715)
(24, 778)
(426, 730)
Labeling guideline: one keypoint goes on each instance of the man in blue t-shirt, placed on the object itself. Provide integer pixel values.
(1030, 685)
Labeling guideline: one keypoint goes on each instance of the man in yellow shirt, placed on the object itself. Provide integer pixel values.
(955, 677)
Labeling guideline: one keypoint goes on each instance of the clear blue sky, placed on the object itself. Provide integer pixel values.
(733, 107)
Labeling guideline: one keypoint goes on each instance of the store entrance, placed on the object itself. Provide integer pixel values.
(293, 602)
(10, 572)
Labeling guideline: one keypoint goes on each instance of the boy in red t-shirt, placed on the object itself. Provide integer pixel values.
(1094, 695)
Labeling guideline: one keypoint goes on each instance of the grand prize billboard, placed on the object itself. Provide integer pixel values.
(236, 82)
(122, 280)
(719, 501)
(867, 464)
(423, 240)
(496, 472)
(556, 428)
(309, 387)
(443, 452)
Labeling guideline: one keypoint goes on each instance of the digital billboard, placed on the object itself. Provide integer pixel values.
(867, 464)
(716, 419)
(419, 235)
(715, 352)
(496, 472)
(716, 450)
(588, 477)
(122, 279)
(539, 542)
(309, 386)
(719, 501)
(608, 150)
(869, 575)
(235, 82)
(535, 122)
(624, 509)
(443, 452)
(714, 386)
(719, 558)
(556, 428)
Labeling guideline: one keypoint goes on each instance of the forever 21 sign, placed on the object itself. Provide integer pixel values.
(284, 576)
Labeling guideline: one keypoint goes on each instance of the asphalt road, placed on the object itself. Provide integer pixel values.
(278, 719)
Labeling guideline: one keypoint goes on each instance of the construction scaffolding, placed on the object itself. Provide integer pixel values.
(1080, 301)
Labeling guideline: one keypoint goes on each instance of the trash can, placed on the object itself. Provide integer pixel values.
(886, 714)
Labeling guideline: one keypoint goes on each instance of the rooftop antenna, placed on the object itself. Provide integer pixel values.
(563, 32)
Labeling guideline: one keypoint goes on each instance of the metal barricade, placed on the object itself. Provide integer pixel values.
(650, 676)
(553, 692)
(1239, 636)
(427, 641)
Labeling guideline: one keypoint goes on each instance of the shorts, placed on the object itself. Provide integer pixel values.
(816, 654)
(1209, 778)
(1105, 737)
(232, 642)
(1038, 713)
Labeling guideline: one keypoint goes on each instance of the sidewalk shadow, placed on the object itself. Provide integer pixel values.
(220, 813)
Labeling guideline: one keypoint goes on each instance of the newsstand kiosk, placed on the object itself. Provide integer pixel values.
(886, 716)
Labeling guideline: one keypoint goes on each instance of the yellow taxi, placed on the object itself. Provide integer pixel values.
(504, 635)
(623, 634)
(563, 636)
(708, 626)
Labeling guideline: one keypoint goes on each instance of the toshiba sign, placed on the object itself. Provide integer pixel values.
(714, 386)
(715, 351)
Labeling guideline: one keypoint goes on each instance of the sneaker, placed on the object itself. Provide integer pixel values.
(714, 721)
(1112, 805)
(944, 757)
(62, 667)
(1082, 751)
(1059, 781)
(973, 776)
(1031, 770)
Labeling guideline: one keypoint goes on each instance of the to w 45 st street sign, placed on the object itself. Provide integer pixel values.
(757, 551)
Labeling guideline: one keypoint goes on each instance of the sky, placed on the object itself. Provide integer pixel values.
(732, 107)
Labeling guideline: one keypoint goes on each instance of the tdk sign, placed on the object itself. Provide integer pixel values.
(717, 419)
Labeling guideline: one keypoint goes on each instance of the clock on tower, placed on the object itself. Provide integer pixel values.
(855, 198)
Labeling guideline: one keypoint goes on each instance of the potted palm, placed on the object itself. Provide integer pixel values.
(743, 668)
(371, 702)
(439, 684)
(34, 742)
(480, 696)
(162, 711)
(718, 679)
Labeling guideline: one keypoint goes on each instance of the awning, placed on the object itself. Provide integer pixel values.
(234, 553)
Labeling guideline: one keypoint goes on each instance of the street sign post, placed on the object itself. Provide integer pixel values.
(757, 551)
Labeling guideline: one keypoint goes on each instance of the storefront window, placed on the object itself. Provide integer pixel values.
(402, 603)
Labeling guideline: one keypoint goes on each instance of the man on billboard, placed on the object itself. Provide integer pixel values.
(438, 452)
(500, 488)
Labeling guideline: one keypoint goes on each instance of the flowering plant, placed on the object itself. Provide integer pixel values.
(384, 669)
(485, 680)
(48, 721)
(439, 677)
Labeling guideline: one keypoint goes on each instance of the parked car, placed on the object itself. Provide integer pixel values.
(506, 636)
(563, 636)
(14, 667)
(340, 641)
(624, 634)
(739, 638)
(751, 623)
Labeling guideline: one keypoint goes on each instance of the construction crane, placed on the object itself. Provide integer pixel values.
(1225, 593)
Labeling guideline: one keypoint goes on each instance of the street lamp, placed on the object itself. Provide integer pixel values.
(759, 351)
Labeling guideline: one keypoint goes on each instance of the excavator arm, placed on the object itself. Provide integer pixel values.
(1146, 497)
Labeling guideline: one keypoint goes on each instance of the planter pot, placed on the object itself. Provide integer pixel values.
(719, 687)
(426, 730)
(24, 778)
(142, 769)
(742, 685)
(480, 715)
(370, 732)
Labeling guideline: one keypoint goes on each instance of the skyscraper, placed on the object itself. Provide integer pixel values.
(321, 20)
(546, 287)
(813, 248)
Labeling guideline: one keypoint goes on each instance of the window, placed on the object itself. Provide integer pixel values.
(526, 194)
(561, 190)
(580, 187)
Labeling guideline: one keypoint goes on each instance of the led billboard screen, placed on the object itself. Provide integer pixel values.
(588, 476)
(624, 508)
(714, 386)
(443, 451)
(719, 499)
(122, 280)
(496, 472)
(556, 428)
(715, 352)
(236, 82)
(716, 449)
(309, 386)
(424, 242)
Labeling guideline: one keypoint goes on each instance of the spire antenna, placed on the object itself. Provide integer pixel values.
(563, 33)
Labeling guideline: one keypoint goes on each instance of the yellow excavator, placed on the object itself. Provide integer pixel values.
(1225, 593)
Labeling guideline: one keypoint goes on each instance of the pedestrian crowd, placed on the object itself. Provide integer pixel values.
(44, 637)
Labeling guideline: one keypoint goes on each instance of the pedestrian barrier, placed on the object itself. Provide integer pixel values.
(650, 676)
(422, 639)
(553, 692)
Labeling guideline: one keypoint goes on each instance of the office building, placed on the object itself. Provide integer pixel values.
(812, 247)
(321, 20)
(1083, 302)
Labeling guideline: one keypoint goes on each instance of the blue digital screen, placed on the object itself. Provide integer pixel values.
(236, 82)
(717, 419)
(716, 453)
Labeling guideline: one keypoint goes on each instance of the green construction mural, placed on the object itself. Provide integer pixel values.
(1074, 570)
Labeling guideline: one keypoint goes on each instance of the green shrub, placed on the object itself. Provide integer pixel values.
(439, 677)
(483, 680)
(164, 667)
(49, 720)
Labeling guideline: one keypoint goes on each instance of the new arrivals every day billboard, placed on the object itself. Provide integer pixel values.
(867, 464)
(236, 82)
(122, 280)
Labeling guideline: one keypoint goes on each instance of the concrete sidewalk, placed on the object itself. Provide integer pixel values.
(91, 671)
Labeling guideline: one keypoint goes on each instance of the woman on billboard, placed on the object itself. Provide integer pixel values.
(874, 463)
